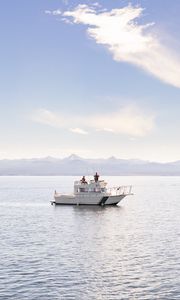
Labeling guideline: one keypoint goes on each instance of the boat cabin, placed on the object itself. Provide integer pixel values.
(90, 187)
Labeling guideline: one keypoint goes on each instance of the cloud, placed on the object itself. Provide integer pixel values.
(78, 130)
(53, 12)
(128, 41)
(47, 117)
(130, 121)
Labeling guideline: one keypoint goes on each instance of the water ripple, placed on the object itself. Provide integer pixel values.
(125, 252)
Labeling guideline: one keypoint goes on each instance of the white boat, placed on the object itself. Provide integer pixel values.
(94, 192)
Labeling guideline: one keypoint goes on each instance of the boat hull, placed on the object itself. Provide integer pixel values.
(84, 200)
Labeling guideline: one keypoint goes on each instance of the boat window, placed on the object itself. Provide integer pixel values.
(82, 190)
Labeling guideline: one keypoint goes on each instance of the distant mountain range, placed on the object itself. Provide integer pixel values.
(75, 165)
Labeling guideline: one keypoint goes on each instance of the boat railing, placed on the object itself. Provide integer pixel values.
(120, 190)
(100, 182)
(79, 182)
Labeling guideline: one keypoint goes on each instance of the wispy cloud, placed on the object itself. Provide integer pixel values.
(78, 130)
(47, 117)
(128, 41)
(130, 121)
(53, 12)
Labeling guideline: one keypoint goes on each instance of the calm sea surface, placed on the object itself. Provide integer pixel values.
(131, 251)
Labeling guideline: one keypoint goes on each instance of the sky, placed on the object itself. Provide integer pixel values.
(97, 79)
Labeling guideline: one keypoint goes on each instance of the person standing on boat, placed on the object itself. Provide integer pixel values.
(96, 177)
(83, 180)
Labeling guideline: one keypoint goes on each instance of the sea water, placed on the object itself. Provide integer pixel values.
(129, 251)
